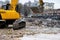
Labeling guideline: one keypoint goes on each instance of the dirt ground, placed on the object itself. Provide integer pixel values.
(10, 34)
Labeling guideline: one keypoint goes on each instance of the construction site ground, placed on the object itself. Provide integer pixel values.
(32, 31)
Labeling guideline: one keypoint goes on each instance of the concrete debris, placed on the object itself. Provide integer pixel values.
(45, 22)
(33, 26)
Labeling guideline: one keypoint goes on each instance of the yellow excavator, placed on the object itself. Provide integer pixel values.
(8, 15)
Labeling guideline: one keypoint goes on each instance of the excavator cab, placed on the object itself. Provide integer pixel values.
(6, 7)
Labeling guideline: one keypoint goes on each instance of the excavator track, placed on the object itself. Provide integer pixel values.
(19, 25)
(2, 24)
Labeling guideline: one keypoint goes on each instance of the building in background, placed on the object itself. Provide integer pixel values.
(32, 4)
(48, 6)
(36, 4)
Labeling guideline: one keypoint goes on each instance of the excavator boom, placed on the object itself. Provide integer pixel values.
(13, 4)
(41, 6)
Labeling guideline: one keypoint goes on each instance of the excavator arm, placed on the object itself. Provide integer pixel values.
(13, 4)
(41, 2)
(41, 6)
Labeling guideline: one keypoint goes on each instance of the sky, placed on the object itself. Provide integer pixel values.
(56, 5)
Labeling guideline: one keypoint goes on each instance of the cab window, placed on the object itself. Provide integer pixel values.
(6, 7)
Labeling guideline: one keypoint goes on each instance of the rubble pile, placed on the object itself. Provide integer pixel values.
(43, 22)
